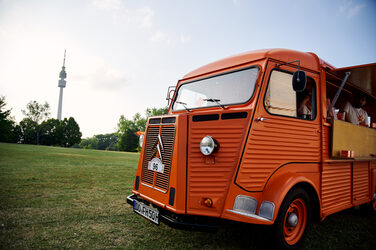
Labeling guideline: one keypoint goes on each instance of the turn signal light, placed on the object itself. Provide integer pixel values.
(208, 202)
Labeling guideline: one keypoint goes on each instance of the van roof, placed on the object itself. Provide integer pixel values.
(308, 60)
(363, 77)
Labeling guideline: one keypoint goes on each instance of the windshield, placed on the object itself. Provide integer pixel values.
(231, 88)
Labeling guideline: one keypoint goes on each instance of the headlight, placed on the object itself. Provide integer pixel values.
(141, 140)
(208, 145)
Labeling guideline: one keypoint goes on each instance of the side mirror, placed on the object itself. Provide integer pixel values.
(170, 94)
(299, 81)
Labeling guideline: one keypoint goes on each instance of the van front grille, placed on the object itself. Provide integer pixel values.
(157, 180)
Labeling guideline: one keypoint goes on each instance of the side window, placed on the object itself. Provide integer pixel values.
(281, 99)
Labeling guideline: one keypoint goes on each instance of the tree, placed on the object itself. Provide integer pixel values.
(17, 133)
(107, 141)
(127, 129)
(71, 132)
(139, 122)
(49, 132)
(9, 131)
(156, 112)
(29, 131)
(128, 140)
(35, 113)
(101, 142)
(53, 132)
(89, 143)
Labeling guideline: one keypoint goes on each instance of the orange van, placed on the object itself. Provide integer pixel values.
(260, 138)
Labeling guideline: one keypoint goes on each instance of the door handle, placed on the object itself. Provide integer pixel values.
(261, 119)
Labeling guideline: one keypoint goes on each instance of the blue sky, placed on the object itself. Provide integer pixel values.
(122, 55)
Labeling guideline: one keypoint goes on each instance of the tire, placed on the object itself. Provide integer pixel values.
(287, 236)
(368, 208)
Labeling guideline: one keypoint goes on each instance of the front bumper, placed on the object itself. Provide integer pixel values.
(185, 222)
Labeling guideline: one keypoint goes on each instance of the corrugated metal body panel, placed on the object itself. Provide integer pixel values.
(273, 143)
(373, 177)
(210, 177)
(361, 181)
(373, 164)
(336, 185)
(326, 142)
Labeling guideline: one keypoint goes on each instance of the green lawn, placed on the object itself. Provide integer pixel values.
(73, 198)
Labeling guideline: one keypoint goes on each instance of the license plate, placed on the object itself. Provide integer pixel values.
(146, 211)
(156, 165)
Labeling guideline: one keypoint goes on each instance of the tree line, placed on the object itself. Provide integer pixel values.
(38, 128)
(125, 138)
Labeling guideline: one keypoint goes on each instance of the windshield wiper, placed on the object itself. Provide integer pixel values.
(217, 101)
(184, 105)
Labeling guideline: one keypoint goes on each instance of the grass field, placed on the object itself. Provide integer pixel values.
(74, 198)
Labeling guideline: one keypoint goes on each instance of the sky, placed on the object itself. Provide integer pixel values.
(122, 55)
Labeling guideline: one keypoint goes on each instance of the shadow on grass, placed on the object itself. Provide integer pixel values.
(349, 229)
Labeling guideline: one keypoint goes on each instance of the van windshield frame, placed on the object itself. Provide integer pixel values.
(226, 89)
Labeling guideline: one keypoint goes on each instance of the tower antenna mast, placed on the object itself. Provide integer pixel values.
(65, 52)
(62, 84)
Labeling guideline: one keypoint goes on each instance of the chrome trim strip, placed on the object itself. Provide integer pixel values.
(160, 140)
(249, 215)
(155, 188)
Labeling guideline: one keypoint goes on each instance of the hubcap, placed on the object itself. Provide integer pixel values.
(295, 221)
(292, 220)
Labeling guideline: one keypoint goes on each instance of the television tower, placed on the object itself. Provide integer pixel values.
(62, 84)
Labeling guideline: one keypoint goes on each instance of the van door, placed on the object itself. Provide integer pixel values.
(284, 129)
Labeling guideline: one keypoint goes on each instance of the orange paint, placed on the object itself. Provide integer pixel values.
(262, 156)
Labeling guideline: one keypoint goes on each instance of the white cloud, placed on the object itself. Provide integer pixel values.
(160, 37)
(108, 4)
(185, 38)
(355, 10)
(104, 76)
(130, 17)
(3, 32)
(350, 9)
(148, 15)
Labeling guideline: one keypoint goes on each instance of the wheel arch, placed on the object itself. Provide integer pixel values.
(315, 202)
(283, 181)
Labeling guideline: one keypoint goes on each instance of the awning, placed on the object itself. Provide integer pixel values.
(362, 77)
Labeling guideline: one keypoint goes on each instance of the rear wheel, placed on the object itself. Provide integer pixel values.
(293, 219)
(369, 208)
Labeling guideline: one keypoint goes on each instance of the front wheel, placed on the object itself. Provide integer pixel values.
(293, 219)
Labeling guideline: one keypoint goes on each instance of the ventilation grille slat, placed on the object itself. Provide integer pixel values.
(167, 134)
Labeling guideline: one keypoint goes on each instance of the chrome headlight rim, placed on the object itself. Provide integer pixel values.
(208, 145)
